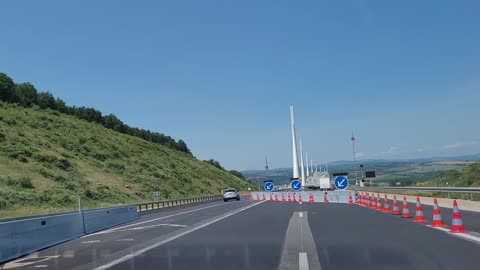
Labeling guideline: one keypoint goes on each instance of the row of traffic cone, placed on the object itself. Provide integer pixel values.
(457, 223)
(292, 199)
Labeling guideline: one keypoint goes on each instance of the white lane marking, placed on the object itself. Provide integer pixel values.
(302, 261)
(461, 235)
(20, 262)
(68, 254)
(41, 266)
(300, 214)
(298, 240)
(155, 219)
(125, 240)
(91, 242)
(153, 226)
(143, 250)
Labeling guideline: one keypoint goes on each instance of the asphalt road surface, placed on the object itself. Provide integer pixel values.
(263, 235)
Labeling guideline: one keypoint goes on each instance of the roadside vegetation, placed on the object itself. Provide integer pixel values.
(48, 158)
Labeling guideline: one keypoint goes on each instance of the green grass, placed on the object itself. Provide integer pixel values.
(48, 159)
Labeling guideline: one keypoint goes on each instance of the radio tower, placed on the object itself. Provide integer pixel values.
(266, 168)
(354, 157)
(353, 147)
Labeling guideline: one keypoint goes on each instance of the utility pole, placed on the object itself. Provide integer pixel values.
(354, 158)
(266, 168)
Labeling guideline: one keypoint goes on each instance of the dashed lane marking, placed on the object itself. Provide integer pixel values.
(91, 242)
(302, 261)
(143, 250)
(155, 219)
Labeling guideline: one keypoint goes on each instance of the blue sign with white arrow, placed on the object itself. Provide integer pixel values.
(268, 186)
(296, 185)
(341, 182)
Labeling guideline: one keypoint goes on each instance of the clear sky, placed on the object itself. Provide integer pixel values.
(403, 75)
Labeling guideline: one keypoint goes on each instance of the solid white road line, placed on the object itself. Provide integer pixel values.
(155, 219)
(302, 261)
(137, 253)
(91, 242)
(153, 226)
(461, 235)
(125, 240)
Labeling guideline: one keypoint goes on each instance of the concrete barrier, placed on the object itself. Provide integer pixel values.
(99, 219)
(337, 196)
(21, 237)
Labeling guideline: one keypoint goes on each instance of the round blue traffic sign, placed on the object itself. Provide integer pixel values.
(341, 182)
(296, 185)
(268, 186)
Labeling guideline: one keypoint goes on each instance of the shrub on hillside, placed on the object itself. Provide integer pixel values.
(22, 182)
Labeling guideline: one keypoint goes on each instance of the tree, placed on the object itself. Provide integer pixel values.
(7, 88)
(215, 163)
(61, 106)
(46, 100)
(26, 94)
(182, 146)
(237, 174)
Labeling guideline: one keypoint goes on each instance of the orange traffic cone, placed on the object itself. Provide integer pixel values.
(405, 211)
(263, 197)
(457, 223)
(270, 197)
(386, 207)
(283, 197)
(350, 199)
(379, 203)
(294, 199)
(250, 197)
(310, 198)
(276, 198)
(437, 217)
(300, 201)
(373, 204)
(325, 199)
(360, 198)
(257, 198)
(289, 199)
(396, 209)
(419, 217)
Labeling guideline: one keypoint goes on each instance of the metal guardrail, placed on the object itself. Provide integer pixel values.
(430, 189)
(142, 207)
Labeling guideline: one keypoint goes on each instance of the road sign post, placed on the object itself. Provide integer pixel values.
(341, 182)
(268, 186)
(296, 185)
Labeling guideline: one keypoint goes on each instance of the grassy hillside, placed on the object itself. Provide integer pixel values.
(47, 159)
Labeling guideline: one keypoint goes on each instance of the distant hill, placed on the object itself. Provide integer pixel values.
(386, 170)
(48, 158)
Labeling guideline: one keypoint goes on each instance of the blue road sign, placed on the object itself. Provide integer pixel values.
(296, 185)
(268, 186)
(341, 182)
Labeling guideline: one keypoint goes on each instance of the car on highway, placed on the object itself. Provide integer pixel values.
(231, 194)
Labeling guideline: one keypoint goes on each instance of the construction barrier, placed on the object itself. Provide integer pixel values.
(337, 196)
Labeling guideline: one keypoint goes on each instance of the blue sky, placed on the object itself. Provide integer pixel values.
(403, 75)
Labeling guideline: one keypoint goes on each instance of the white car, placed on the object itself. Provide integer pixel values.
(231, 194)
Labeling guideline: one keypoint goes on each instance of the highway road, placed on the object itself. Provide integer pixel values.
(262, 235)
